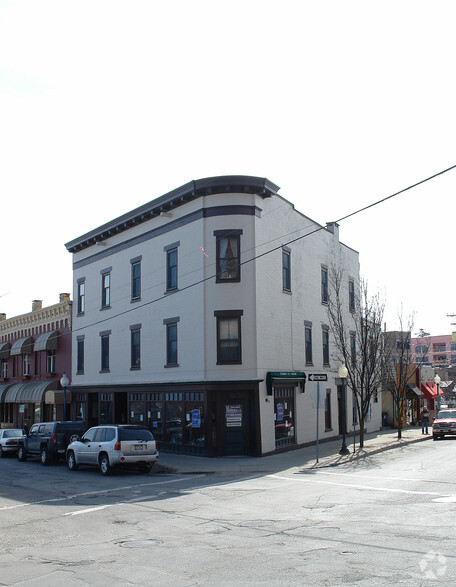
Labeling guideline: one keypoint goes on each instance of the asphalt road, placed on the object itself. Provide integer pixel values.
(385, 520)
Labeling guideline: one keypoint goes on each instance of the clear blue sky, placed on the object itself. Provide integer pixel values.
(105, 105)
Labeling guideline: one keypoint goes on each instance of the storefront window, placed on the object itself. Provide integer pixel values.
(284, 422)
(194, 424)
(174, 418)
(105, 412)
(154, 419)
(137, 412)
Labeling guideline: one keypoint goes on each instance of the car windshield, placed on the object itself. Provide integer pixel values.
(446, 415)
(135, 434)
(12, 433)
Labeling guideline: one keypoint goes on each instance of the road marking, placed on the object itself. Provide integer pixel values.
(362, 476)
(99, 492)
(87, 511)
(362, 487)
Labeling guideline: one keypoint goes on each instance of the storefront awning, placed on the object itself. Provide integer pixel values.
(3, 389)
(430, 390)
(22, 346)
(29, 393)
(413, 392)
(5, 348)
(275, 378)
(46, 342)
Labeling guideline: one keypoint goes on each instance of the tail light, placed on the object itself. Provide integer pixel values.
(117, 445)
(54, 438)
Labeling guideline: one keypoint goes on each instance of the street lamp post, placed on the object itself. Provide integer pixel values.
(437, 382)
(64, 382)
(343, 374)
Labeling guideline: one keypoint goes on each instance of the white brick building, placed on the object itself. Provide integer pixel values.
(191, 315)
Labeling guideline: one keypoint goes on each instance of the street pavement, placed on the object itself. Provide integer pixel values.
(309, 457)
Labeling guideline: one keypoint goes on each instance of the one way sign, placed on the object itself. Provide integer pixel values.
(318, 377)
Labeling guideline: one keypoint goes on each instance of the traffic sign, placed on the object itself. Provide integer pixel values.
(318, 377)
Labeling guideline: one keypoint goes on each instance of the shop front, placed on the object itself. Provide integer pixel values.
(202, 419)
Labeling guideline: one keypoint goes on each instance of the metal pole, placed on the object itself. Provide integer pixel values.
(344, 450)
(64, 404)
(318, 408)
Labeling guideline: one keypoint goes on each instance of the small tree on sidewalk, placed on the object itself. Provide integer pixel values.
(357, 339)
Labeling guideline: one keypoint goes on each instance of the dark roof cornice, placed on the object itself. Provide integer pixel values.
(186, 193)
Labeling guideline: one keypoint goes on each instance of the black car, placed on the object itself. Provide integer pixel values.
(49, 440)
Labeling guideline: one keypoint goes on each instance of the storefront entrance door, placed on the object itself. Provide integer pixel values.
(234, 426)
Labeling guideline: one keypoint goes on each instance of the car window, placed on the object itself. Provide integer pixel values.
(446, 415)
(135, 434)
(12, 433)
(34, 429)
(100, 435)
(41, 429)
(89, 435)
(110, 434)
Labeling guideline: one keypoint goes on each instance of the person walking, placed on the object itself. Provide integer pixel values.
(424, 421)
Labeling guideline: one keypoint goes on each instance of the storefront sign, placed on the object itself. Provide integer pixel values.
(196, 419)
(279, 412)
(233, 416)
(21, 408)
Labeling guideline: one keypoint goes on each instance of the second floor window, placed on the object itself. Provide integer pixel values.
(228, 336)
(286, 269)
(26, 364)
(171, 269)
(106, 290)
(50, 361)
(308, 342)
(105, 352)
(353, 347)
(228, 255)
(80, 355)
(135, 348)
(171, 344)
(136, 280)
(325, 338)
(351, 295)
(4, 368)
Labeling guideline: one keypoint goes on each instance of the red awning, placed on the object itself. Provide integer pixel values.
(430, 390)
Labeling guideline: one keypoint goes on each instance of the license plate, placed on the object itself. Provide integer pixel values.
(139, 446)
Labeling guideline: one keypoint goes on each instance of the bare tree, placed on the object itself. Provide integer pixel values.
(357, 340)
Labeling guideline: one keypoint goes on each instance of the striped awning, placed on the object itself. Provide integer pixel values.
(3, 389)
(29, 393)
(46, 341)
(5, 350)
(22, 346)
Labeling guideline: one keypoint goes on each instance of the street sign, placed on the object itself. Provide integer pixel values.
(318, 377)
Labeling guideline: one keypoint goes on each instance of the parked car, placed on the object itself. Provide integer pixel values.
(49, 440)
(9, 440)
(444, 424)
(114, 446)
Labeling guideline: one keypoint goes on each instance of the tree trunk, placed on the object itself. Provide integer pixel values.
(361, 433)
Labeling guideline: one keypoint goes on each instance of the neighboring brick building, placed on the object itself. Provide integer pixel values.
(35, 351)
(438, 351)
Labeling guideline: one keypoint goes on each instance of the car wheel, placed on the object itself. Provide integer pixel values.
(147, 468)
(105, 467)
(71, 461)
(21, 454)
(44, 457)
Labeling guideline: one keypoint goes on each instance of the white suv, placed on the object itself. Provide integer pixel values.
(110, 446)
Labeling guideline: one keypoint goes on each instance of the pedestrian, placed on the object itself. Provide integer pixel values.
(424, 421)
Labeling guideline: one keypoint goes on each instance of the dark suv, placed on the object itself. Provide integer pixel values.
(49, 440)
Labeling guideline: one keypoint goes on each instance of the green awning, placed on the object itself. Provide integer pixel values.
(46, 342)
(22, 346)
(29, 393)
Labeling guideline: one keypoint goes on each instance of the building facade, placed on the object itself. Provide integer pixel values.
(438, 351)
(35, 351)
(201, 315)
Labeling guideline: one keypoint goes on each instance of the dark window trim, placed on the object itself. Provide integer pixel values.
(286, 271)
(223, 314)
(170, 322)
(220, 234)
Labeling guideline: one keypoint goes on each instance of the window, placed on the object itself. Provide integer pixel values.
(228, 255)
(50, 361)
(4, 368)
(80, 354)
(351, 295)
(308, 343)
(106, 288)
(324, 285)
(418, 349)
(286, 269)
(439, 347)
(26, 364)
(171, 266)
(105, 350)
(403, 343)
(81, 296)
(325, 339)
(135, 341)
(425, 348)
(353, 347)
(328, 417)
(136, 278)
(453, 347)
(171, 343)
(228, 336)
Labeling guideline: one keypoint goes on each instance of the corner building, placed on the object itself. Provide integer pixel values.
(200, 315)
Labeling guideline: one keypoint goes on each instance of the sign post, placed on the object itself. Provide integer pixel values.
(315, 395)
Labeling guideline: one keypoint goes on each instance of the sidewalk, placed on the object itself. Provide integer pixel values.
(302, 458)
